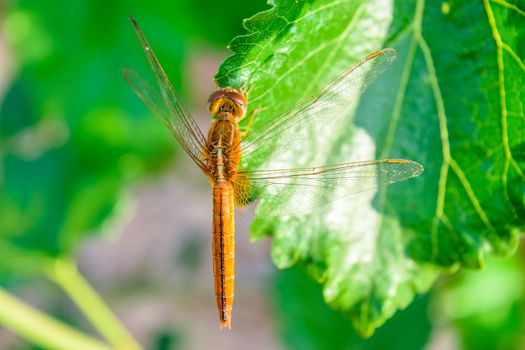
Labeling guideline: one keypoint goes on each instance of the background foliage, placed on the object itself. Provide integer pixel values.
(73, 138)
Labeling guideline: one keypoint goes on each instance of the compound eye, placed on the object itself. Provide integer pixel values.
(239, 100)
(227, 99)
(214, 100)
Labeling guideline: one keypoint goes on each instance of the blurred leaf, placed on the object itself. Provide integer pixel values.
(167, 339)
(307, 323)
(487, 307)
(52, 194)
(72, 134)
(453, 101)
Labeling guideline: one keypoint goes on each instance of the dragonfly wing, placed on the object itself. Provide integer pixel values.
(305, 119)
(296, 191)
(164, 101)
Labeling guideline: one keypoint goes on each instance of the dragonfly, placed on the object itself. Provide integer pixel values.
(221, 154)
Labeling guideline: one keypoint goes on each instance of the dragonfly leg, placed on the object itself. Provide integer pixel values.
(249, 87)
(242, 88)
(254, 112)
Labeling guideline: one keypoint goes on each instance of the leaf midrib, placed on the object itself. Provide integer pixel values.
(418, 41)
(509, 159)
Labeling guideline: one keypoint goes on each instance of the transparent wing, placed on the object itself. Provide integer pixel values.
(164, 101)
(295, 191)
(309, 116)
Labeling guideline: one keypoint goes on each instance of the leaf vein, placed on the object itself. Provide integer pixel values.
(516, 58)
(503, 103)
(470, 193)
(268, 42)
(339, 42)
(445, 144)
(298, 64)
(509, 6)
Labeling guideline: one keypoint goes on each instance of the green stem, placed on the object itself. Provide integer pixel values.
(42, 329)
(67, 276)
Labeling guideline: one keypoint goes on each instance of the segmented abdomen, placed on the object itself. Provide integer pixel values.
(223, 249)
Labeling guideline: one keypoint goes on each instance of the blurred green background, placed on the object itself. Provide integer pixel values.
(87, 172)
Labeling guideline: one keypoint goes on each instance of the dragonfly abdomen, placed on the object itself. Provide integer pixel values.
(223, 249)
(223, 158)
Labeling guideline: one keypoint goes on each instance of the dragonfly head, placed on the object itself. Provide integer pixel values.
(228, 100)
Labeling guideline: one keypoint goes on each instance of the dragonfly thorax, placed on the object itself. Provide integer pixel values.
(222, 151)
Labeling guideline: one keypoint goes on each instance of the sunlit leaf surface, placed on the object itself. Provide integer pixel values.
(452, 101)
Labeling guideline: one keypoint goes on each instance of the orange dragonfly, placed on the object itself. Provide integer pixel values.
(222, 154)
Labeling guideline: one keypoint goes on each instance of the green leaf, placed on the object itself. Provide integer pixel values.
(486, 307)
(452, 101)
(306, 322)
(72, 134)
(68, 148)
